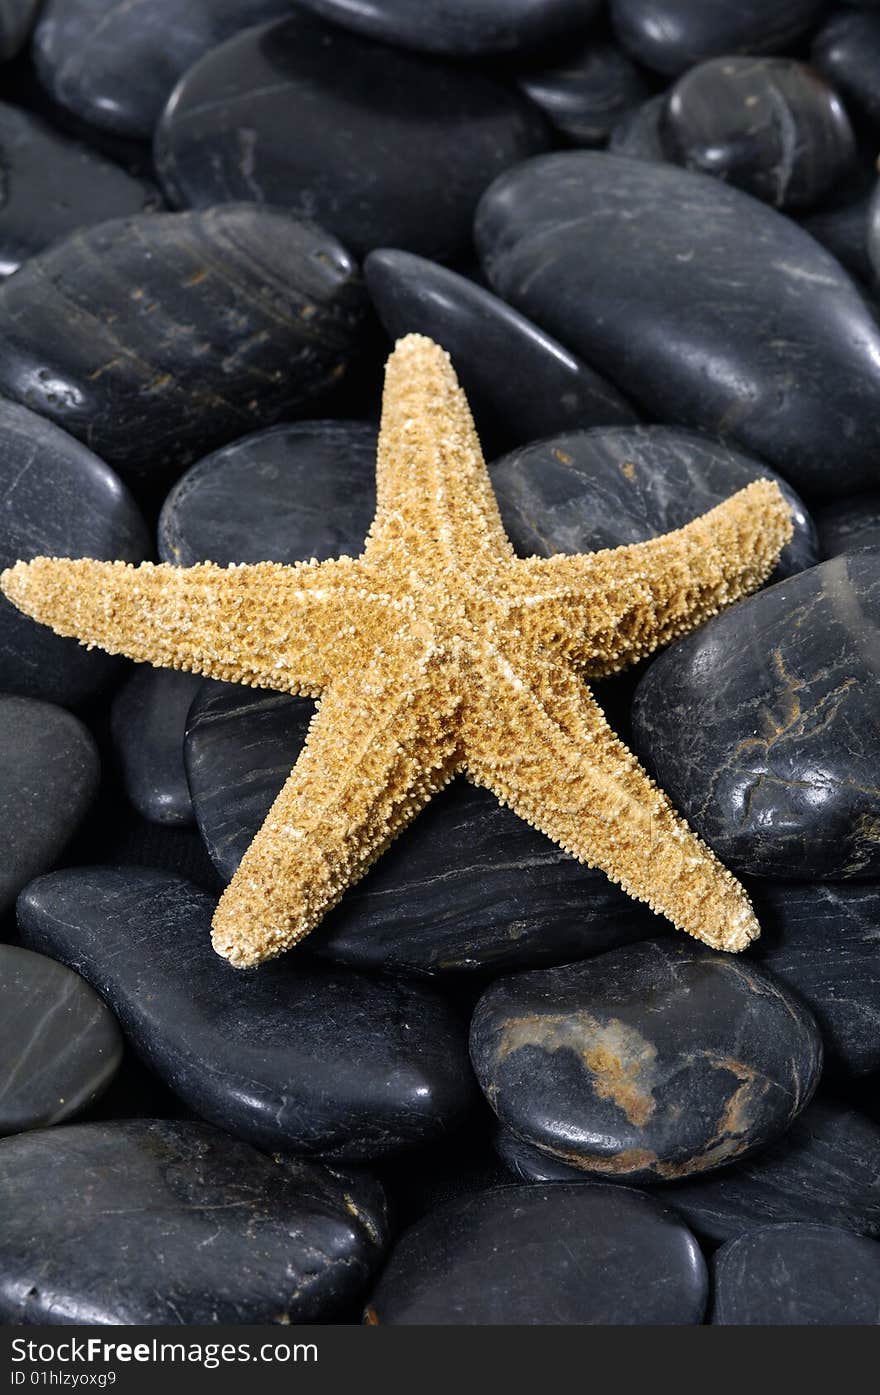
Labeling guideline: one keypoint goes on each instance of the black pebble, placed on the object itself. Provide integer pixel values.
(849, 524)
(463, 28)
(584, 96)
(148, 722)
(671, 35)
(846, 51)
(796, 1276)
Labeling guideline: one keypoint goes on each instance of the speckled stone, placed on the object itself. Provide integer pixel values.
(49, 773)
(846, 51)
(771, 126)
(521, 383)
(148, 720)
(762, 726)
(637, 133)
(158, 1222)
(650, 1063)
(581, 491)
(181, 330)
(671, 35)
(57, 499)
(287, 1057)
(59, 1045)
(304, 489)
(459, 27)
(849, 524)
(468, 887)
(574, 241)
(797, 1276)
(584, 96)
(543, 1256)
(113, 63)
(16, 21)
(382, 147)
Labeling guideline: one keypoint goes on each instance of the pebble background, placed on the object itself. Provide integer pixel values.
(490, 1088)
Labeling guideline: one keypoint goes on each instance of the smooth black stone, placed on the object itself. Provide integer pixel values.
(637, 134)
(521, 384)
(671, 35)
(842, 227)
(314, 1061)
(821, 942)
(16, 21)
(51, 185)
(148, 721)
(113, 63)
(762, 726)
(587, 490)
(59, 500)
(181, 330)
(770, 126)
(653, 1062)
(304, 489)
(753, 331)
(796, 1276)
(49, 773)
(544, 1256)
(468, 887)
(459, 27)
(585, 96)
(530, 1164)
(383, 147)
(158, 1221)
(849, 524)
(873, 231)
(59, 1045)
(846, 51)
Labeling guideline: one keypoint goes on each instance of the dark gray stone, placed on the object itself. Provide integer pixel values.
(796, 1276)
(58, 500)
(16, 21)
(872, 230)
(289, 1057)
(469, 887)
(770, 126)
(753, 331)
(148, 722)
(582, 491)
(59, 1045)
(846, 51)
(671, 35)
(637, 134)
(306, 489)
(544, 1256)
(762, 726)
(113, 63)
(181, 330)
(841, 226)
(521, 384)
(383, 147)
(160, 1222)
(849, 524)
(49, 773)
(459, 27)
(654, 1062)
(584, 96)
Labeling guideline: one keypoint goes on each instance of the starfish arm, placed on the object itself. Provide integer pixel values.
(265, 625)
(376, 751)
(431, 477)
(604, 610)
(543, 746)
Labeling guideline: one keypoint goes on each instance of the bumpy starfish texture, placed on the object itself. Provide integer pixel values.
(438, 651)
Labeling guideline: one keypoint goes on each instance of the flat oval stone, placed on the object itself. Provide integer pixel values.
(59, 500)
(770, 126)
(849, 524)
(637, 133)
(181, 330)
(846, 51)
(16, 21)
(653, 1062)
(762, 727)
(148, 721)
(587, 94)
(460, 27)
(671, 35)
(521, 383)
(797, 1276)
(468, 887)
(218, 1233)
(52, 185)
(574, 241)
(113, 63)
(821, 941)
(536, 1255)
(581, 491)
(312, 1061)
(304, 489)
(59, 1045)
(49, 773)
(392, 149)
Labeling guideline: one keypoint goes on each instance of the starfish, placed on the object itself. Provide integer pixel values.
(437, 651)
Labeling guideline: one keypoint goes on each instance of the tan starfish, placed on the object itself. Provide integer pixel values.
(437, 651)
